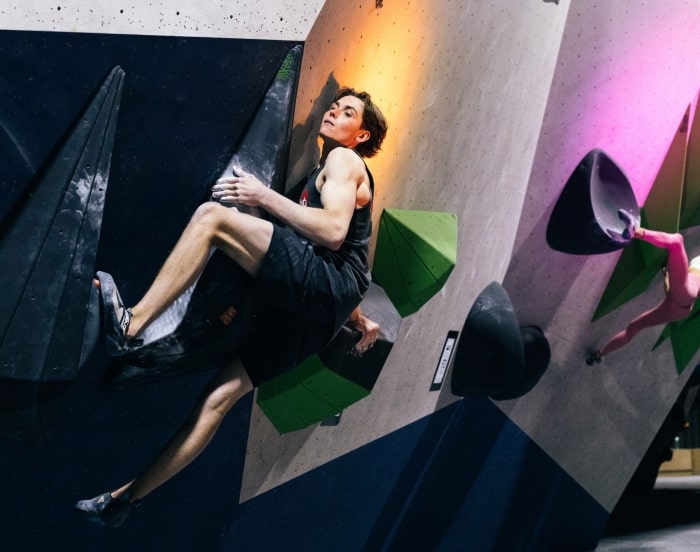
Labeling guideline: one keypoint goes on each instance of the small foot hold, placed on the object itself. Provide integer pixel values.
(105, 510)
(625, 235)
(630, 223)
(115, 317)
(593, 358)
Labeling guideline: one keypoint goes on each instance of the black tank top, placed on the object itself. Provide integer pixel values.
(355, 248)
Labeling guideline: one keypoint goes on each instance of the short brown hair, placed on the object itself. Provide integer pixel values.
(373, 120)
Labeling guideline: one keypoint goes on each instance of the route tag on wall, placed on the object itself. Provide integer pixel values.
(444, 361)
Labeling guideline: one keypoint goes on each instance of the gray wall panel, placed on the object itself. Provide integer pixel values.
(464, 86)
(626, 73)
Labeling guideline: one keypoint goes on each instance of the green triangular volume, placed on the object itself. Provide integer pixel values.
(639, 262)
(663, 204)
(683, 334)
(690, 209)
(415, 254)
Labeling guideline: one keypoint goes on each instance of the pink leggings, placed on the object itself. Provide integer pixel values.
(683, 287)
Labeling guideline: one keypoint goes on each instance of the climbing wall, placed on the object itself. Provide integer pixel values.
(448, 79)
(490, 106)
(624, 80)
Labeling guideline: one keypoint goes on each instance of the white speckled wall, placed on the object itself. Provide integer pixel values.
(278, 20)
(464, 86)
(625, 76)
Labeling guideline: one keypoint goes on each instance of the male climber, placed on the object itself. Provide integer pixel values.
(311, 270)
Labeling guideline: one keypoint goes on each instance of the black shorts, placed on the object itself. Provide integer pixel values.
(302, 299)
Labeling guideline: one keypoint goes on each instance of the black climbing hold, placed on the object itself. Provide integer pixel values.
(586, 219)
(489, 357)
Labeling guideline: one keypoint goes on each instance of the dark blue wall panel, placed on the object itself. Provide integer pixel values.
(102, 440)
(465, 478)
(185, 103)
